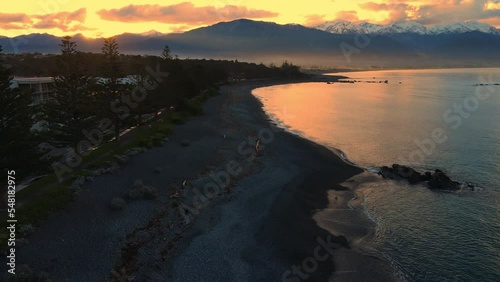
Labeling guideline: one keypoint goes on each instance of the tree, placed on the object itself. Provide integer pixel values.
(18, 145)
(71, 111)
(111, 90)
(111, 67)
(289, 69)
(166, 54)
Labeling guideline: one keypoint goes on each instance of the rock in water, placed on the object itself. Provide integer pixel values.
(435, 181)
(441, 181)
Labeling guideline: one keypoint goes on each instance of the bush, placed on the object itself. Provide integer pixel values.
(137, 184)
(158, 139)
(178, 118)
(192, 106)
(26, 230)
(150, 193)
(185, 143)
(117, 204)
(140, 191)
(133, 194)
(163, 127)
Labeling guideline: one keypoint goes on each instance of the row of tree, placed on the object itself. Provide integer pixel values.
(85, 96)
(81, 101)
(35, 64)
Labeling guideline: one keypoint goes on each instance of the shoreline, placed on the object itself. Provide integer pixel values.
(337, 71)
(333, 174)
(257, 227)
(350, 220)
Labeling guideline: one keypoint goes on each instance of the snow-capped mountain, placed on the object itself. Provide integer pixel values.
(462, 27)
(369, 27)
(403, 27)
(346, 27)
(152, 33)
(341, 27)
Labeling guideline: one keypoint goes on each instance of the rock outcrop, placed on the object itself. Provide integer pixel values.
(437, 180)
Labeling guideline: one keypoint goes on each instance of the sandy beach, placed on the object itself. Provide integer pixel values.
(223, 212)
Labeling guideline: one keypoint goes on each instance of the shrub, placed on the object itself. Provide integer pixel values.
(117, 204)
(158, 139)
(134, 194)
(193, 106)
(185, 143)
(178, 118)
(150, 193)
(137, 184)
(23, 273)
(26, 229)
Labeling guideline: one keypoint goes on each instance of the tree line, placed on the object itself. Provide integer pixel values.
(37, 64)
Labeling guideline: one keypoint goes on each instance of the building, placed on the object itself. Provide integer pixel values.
(42, 87)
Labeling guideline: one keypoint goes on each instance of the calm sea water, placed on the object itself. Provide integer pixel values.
(428, 119)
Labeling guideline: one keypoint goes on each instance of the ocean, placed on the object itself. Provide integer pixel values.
(446, 119)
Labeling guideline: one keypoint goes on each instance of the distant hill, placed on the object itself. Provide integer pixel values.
(396, 45)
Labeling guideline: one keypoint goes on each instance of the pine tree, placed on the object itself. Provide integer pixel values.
(166, 54)
(72, 110)
(178, 86)
(111, 67)
(111, 90)
(18, 145)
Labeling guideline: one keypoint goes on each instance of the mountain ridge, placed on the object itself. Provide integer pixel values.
(259, 41)
(347, 27)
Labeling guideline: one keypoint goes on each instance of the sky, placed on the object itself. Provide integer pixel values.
(105, 18)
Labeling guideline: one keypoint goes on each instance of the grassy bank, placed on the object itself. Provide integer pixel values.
(45, 196)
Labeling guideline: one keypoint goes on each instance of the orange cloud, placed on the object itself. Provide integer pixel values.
(14, 21)
(437, 12)
(183, 13)
(179, 29)
(351, 16)
(65, 21)
(397, 11)
(314, 20)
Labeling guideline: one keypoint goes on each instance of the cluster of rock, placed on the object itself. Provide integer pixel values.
(437, 180)
(139, 191)
(365, 81)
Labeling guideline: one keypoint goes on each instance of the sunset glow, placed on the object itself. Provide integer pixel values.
(106, 18)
